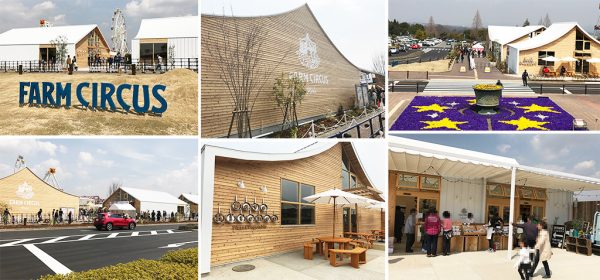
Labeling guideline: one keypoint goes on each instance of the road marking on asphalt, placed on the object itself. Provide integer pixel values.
(135, 233)
(170, 231)
(175, 245)
(475, 71)
(55, 239)
(49, 261)
(113, 235)
(567, 91)
(16, 242)
(87, 237)
(153, 232)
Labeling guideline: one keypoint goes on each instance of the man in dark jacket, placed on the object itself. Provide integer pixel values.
(530, 232)
(525, 76)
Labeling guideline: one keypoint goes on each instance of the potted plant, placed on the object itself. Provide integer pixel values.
(487, 98)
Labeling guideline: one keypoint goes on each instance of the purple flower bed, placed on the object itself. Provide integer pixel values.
(456, 113)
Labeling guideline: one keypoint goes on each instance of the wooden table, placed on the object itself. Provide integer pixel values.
(331, 241)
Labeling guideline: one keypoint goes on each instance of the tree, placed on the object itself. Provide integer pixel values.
(541, 22)
(547, 22)
(476, 26)
(287, 93)
(237, 53)
(113, 187)
(60, 44)
(379, 64)
(526, 23)
(420, 34)
(431, 30)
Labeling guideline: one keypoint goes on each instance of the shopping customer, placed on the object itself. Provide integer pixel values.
(447, 233)
(432, 230)
(409, 229)
(494, 223)
(524, 261)
(530, 231)
(543, 249)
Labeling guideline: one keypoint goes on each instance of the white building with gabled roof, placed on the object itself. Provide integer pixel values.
(500, 36)
(146, 200)
(157, 35)
(35, 43)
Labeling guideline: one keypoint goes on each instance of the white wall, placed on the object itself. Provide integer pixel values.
(469, 194)
(512, 60)
(19, 52)
(184, 47)
(135, 49)
(559, 204)
(156, 206)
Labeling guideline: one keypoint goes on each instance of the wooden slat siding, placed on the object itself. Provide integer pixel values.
(83, 47)
(283, 34)
(564, 46)
(48, 197)
(392, 177)
(323, 171)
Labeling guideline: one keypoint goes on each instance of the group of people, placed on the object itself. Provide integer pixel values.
(535, 247)
(57, 216)
(156, 216)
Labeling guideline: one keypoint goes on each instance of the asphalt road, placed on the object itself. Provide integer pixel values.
(437, 52)
(31, 254)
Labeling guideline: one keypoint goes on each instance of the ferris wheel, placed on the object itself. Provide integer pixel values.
(119, 33)
(597, 27)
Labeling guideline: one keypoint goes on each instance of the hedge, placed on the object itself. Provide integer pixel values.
(174, 265)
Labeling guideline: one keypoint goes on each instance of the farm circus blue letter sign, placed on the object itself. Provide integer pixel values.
(103, 96)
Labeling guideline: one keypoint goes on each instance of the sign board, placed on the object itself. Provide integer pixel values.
(362, 95)
(463, 69)
(487, 69)
(366, 78)
(245, 227)
(557, 236)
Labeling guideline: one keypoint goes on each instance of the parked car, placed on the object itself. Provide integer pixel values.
(393, 51)
(415, 47)
(113, 220)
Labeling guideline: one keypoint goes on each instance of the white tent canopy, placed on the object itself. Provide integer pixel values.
(121, 206)
(420, 157)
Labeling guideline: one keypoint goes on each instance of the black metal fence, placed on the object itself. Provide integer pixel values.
(556, 88)
(373, 132)
(102, 66)
(406, 86)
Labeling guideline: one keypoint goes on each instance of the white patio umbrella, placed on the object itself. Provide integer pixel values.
(336, 197)
(568, 59)
(551, 59)
(593, 60)
(379, 205)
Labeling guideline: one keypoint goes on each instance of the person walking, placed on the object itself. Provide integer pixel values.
(543, 249)
(524, 77)
(60, 216)
(409, 229)
(524, 261)
(530, 232)
(432, 229)
(153, 215)
(55, 216)
(494, 223)
(398, 224)
(5, 215)
(158, 214)
(70, 217)
(69, 62)
(39, 215)
(159, 65)
(164, 215)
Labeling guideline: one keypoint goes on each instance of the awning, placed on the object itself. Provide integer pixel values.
(426, 158)
(549, 179)
(120, 206)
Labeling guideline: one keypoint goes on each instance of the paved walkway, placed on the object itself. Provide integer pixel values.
(485, 265)
(465, 87)
(293, 266)
(477, 74)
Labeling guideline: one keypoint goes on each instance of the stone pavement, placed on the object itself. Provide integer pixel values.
(293, 266)
(492, 266)
(478, 73)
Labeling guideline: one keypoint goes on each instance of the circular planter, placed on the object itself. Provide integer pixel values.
(487, 100)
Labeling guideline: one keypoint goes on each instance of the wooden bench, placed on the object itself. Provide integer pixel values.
(308, 249)
(358, 255)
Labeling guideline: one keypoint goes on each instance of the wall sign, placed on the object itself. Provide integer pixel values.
(558, 235)
(308, 57)
(528, 61)
(244, 227)
(103, 96)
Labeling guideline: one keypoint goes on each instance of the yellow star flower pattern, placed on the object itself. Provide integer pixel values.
(525, 123)
(472, 101)
(537, 108)
(433, 107)
(444, 123)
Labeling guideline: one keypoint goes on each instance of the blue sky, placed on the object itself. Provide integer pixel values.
(495, 12)
(27, 13)
(89, 166)
(372, 153)
(357, 27)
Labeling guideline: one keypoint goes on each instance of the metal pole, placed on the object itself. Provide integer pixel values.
(511, 219)
(333, 218)
(417, 87)
(563, 88)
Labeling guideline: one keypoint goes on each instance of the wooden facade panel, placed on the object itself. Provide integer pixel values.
(281, 42)
(322, 171)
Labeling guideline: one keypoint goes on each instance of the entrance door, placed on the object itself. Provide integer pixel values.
(524, 211)
(349, 217)
(582, 66)
(426, 204)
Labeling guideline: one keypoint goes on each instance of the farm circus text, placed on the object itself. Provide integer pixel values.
(95, 96)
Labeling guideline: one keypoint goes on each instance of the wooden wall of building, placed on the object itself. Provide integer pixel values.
(586, 210)
(281, 43)
(82, 48)
(323, 171)
(41, 196)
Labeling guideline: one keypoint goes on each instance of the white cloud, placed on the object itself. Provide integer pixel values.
(136, 155)
(17, 14)
(100, 151)
(46, 5)
(27, 147)
(59, 19)
(162, 8)
(587, 164)
(86, 157)
(551, 166)
(503, 148)
(175, 181)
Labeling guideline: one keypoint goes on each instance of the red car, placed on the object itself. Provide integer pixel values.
(113, 220)
(415, 46)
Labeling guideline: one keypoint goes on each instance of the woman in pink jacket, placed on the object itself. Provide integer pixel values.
(432, 226)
